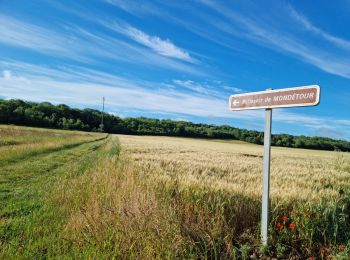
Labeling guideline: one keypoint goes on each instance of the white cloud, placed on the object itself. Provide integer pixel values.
(191, 85)
(76, 85)
(235, 90)
(85, 87)
(7, 74)
(118, 95)
(206, 88)
(137, 7)
(301, 19)
(163, 47)
(15, 32)
(75, 43)
(273, 37)
(281, 32)
(329, 132)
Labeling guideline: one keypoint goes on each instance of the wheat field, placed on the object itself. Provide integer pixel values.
(236, 167)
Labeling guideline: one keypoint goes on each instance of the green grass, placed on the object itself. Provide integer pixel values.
(30, 223)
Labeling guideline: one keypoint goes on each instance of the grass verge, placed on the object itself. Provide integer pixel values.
(30, 223)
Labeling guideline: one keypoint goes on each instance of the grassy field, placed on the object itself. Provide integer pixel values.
(31, 163)
(66, 194)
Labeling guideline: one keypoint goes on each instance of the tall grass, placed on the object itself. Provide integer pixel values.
(18, 135)
(125, 208)
(115, 212)
(17, 143)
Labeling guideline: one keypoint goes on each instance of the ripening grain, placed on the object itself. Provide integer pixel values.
(236, 167)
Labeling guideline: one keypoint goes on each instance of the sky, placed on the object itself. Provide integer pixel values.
(180, 60)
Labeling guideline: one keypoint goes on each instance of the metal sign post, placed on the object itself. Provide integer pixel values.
(289, 97)
(265, 208)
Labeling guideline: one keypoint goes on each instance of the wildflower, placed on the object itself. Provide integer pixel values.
(279, 226)
(285, 219)
(341, 247)
(323, 251)
(291, 226)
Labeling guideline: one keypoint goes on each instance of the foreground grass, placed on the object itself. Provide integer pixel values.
(165, 198)
(30, 222)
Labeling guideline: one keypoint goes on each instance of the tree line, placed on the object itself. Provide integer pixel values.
(61, 116)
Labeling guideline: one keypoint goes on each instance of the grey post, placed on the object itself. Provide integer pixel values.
(266, 177)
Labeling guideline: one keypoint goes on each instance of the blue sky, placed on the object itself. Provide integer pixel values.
(180, 59)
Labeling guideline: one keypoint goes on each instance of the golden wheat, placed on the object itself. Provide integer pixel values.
(237, 167)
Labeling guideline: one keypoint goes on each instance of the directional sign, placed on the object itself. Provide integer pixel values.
(288, 97)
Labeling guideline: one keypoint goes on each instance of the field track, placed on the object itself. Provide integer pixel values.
(26, 181)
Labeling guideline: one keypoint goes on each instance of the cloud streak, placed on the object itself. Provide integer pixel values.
(75, 43)
(163, 47)
(306, 23)
(286, 31)
(80, 86)
(270, 36)
(21, 34)
(199, 88)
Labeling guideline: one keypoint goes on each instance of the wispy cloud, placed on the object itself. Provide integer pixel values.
(307, 24)
(18, 33)
(163, 47)
(282, 32)
(83, 87)
(75, 43)
(146, 8)
(201, 88)
(211, 88)
(234, 89)
(271, 36)
(7, 74)
(329, 132)
(136, 7)
(76, 85)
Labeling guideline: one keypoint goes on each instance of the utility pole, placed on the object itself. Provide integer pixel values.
(103, 110)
